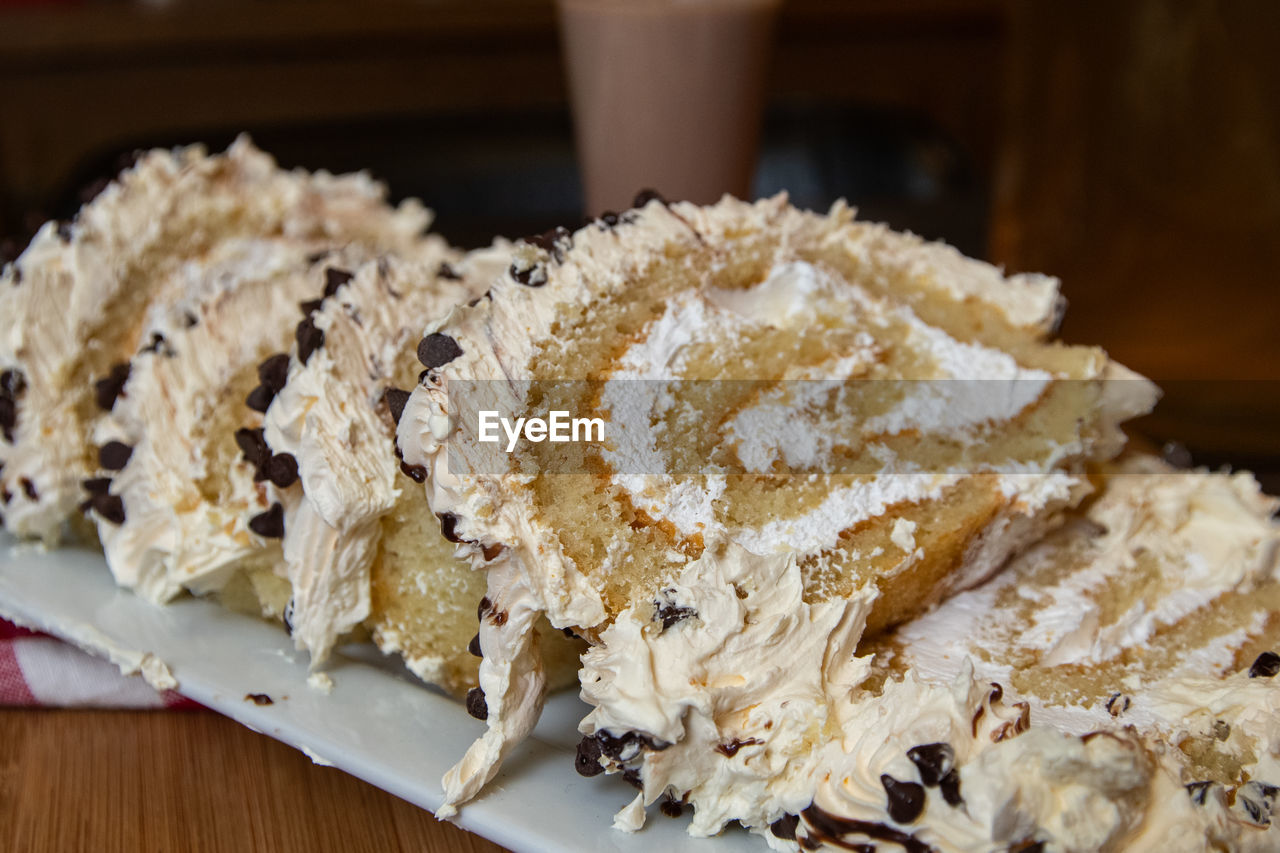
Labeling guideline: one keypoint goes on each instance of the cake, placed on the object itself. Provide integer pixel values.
(84, 298)
(822, 427)
(360, 546)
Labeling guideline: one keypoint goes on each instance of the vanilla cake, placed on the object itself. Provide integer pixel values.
(75, 303)
(360, 545)
(722, 552)
(1149, 623)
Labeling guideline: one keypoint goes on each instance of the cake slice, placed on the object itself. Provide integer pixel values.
(360, 545)
(74, 305)
(816, 423)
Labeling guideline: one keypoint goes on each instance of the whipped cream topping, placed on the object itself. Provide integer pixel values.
(71, 303)
(499, 337)
(330, 417)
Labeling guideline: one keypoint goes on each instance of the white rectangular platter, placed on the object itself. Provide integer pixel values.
(378, 723)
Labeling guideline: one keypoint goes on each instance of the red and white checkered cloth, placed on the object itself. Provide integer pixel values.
(39, 670)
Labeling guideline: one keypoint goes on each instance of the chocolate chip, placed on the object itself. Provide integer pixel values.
(587, 761)
(12, 383)
(627, 746)
(110, 507)
(483, 607)
(476, 705)
(554, 242)
(906, 799)
(253, 444)
(474, 646)
(437, 350)
(335, 278)
(309, 339)
(269, 524)
(260, 398)
(396, 400)
(1266, 665)
(933, 760)
(417, 473)
(274, 371)
(645, 196)
(448, 272)
(448, 529)
(159, 346)
(259, 699)
(785, 827)
(950, 787)
(107, 390)
(8, 417)
(1258, 800)
(671, 807)
(609, 219)
(669, 613)
(114, 455)
(1117, 704)
(1198, 791)
(29, 488)
(281, 469)
(190, 320)
(311, 306)
(96, 485)
(528, 274)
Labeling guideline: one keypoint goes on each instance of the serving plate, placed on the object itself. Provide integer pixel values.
(378, 723)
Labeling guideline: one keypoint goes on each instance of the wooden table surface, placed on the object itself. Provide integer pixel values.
(106, 781)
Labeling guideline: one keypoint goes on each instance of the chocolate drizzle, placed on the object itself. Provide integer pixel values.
(829, 828)
(448, 529)
(730, 749)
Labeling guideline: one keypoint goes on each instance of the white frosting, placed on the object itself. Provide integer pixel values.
(60, 302)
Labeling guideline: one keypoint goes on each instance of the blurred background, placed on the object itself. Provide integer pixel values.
(1131, 148)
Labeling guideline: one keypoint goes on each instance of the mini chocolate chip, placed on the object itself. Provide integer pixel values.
(448, 272)
(335, 278)
(317, 257)
(108, 389)
(159, 346)
(269, 524)
(1198, 791)
(950, 787)
(906, 799)
(260, 398)
(647, 195)
(259, 699)
(190, 320)
(29, 488)
(528, 274)
(396, 400)
(437, 350)
(448, 529)
(281, 469)
(933, 760)
(110, 507)
(8, 417)
(417, 473)
(274, 371)
(12, 383)
(671, 807)
(65, 231)
(609, 218)
(669, 614)
(96, 485)
(631, 776)
(311, 306)
(476, 705)
(474, 646)
(483, 607)
(114, 455)
(309, 339)
(253, 444)
(1266, 665)
(587, 761)
(785, 827)
(1176, 454)
(552, 241)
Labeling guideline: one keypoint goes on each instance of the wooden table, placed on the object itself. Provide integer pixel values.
(107, 781)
